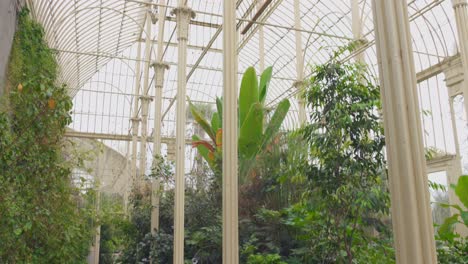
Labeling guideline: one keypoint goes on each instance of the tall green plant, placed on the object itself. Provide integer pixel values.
(347, 196)
(255, 131)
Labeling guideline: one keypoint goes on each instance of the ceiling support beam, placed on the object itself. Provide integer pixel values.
(411, 213)
(256, 16)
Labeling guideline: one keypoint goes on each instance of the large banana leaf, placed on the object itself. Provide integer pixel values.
(215, 122)
(248, 94)
(275, 122)
(219, 106)
(201, 121)
(264, 83)
(250, 136)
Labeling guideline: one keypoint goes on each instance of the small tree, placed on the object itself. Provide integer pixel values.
(345, 173)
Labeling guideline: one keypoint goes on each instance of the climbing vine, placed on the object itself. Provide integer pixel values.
(43, 218)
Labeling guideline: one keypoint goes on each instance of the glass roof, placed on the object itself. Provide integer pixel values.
(97, 42)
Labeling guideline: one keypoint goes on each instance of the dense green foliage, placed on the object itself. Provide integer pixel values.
(43, 219)
(317, 195)
(347, 196)
(451, 247)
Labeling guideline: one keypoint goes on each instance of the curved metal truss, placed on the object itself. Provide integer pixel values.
(96, 44)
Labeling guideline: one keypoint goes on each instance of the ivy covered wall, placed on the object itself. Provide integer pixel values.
(8, 16)
(43, 217)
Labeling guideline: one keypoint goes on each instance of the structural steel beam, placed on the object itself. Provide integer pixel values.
(115, 137)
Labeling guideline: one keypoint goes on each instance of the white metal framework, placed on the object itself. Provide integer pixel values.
(113, 52)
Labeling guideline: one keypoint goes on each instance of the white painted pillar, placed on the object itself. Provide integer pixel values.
(461, 15)
(230, 149)
(357, 27)
(299, 84)
(97, 237)
(183, 15)
(159, 69)
(455, 82)
(261, 41)
(135, 120)
(145, 98)
(411, 212)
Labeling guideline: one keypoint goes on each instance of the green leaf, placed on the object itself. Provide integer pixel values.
(201, 121)
(215, 122)
(276, 121)
(448, 224)
(264, 83)
(248, 94)
(464, 216)
(219, 106)
(18, 231)
(204, 152)
(462, 189)
(251, 132)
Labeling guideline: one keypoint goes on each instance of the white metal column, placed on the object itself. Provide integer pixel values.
(145, 98)
(357, 27)
(159, 68)
(230, 172)
(411, 212)
(135, 119)
(261, 41)
(461, 15)
(183, 15)
(299, 84)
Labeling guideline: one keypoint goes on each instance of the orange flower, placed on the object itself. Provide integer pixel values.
(51, 103)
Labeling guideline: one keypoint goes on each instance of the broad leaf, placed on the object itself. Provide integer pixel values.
(276, 121)
(251, 132)
(201, 121)
(215, 122)
(447, 227)
(219, 106)
(264, 83)
(462, 190)
(464, 216)
(248, 94)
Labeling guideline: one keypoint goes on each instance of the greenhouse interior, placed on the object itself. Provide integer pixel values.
(235, 131)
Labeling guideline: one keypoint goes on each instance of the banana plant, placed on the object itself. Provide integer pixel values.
(255, 131)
